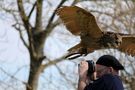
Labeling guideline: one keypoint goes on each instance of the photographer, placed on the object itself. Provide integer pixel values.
(105, 76)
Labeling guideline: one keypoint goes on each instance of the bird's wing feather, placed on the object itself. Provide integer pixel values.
(128, 45)
(78, 20)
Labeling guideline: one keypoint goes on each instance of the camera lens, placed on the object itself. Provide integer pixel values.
(91, 68)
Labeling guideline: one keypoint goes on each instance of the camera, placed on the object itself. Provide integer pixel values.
(91, 68)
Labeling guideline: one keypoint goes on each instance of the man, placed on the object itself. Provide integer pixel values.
(106, 75)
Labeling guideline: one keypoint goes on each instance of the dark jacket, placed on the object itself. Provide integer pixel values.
(106, 82)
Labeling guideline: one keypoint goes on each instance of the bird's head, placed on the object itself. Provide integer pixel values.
(110, 40)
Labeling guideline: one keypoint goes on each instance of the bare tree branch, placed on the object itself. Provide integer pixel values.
(22, 14)
(19, 30)
(52, 62)
(21, 36)
(38, 23)
(32, 10)
(64, 76)
(52, 17)
(12, 76)
(27, 27)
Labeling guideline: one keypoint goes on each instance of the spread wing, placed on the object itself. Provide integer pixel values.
(128, 45)
(78, 20)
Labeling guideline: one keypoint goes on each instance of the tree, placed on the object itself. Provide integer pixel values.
(30, 19)
(36, 38)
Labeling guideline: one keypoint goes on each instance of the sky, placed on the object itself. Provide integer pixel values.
(13, 54)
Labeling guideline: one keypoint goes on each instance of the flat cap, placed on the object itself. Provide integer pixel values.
(110, 61)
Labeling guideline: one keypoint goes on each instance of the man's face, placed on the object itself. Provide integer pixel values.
(101, 70)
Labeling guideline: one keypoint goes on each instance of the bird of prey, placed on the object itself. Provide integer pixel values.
(81, 22)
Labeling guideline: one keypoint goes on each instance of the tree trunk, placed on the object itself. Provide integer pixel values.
(34, 74)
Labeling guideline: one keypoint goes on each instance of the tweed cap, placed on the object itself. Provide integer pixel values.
(110, 61)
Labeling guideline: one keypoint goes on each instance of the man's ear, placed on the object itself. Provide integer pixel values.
(111, 69)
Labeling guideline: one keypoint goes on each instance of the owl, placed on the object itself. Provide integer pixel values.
(81, 22)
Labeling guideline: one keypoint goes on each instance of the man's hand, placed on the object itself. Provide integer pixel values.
(82, 70)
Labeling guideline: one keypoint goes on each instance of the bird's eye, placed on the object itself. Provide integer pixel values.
(116, 42)
(117, 37)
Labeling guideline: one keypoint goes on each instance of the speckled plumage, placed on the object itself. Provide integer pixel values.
(81, 22)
